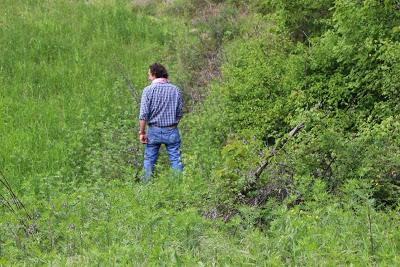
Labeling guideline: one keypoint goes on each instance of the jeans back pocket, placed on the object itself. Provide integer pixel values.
(174, 136)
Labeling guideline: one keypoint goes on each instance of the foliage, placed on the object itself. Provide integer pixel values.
(68, 138)
(301, 19)
(342, 85)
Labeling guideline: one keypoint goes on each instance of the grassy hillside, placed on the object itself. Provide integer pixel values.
(60, 71)
(70, 76)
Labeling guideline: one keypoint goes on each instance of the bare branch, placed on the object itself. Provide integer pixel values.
(266, 162)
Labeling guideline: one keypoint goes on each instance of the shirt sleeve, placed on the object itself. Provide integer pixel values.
(179, 109)
(144, 106)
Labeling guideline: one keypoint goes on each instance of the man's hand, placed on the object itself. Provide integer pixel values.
(143, 138)
(142, 132)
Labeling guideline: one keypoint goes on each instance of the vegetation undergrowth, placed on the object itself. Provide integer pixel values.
(71, 74)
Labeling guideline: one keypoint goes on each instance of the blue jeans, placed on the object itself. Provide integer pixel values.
(155, 138)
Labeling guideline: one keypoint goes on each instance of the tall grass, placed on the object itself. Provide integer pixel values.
(60, 69)
(67, 128)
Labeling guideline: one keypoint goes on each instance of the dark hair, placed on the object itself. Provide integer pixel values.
(158, 70)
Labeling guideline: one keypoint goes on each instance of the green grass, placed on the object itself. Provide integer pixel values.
(117, 222)
(68, 135)
(60, 69)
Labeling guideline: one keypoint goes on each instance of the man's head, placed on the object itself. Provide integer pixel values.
(157, 70)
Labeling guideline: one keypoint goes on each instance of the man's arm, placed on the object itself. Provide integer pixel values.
(143, 116)
(142, 127)
(179, 108)
(142, 132)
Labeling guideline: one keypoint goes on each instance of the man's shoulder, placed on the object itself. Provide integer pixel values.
(147, 89)
(168, 85)
(151, 87)
(174, 86)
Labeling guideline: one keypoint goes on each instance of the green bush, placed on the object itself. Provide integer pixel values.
(301, 19)
(328, 196)
(342, 85)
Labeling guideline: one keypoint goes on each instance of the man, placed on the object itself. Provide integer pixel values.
(161, 109)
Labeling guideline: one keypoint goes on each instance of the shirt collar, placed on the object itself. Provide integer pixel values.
(160, 80)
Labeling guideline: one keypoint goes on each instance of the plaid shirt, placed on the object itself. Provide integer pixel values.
(161, 104)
